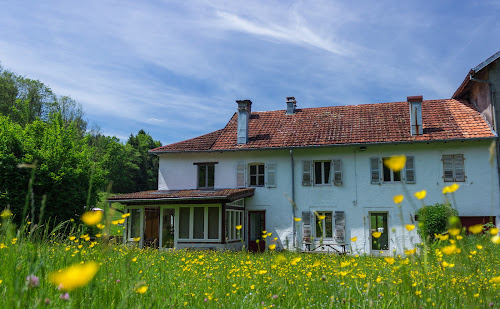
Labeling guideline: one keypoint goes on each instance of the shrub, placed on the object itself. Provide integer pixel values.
(433, 219)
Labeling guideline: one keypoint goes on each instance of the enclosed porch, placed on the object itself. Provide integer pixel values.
(195, 219)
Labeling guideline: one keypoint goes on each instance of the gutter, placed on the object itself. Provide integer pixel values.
(294, 230)
(170, 199)
(332, 145)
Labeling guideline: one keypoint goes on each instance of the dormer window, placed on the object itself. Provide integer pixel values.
(206, 175)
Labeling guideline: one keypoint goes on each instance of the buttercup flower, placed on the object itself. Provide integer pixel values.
(75, 276)
(297, 219)
(420, 194)
(396, 163)
(476, 229)
(398, 198)
(376, 234)
(238, 227)
(410, 227)
(354, 239)
(92, 217)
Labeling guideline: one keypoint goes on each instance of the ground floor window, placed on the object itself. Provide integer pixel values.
(324, 226)
(134, 223)
(199, 222)
(234, 219)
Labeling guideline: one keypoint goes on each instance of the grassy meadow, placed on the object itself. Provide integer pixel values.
(457, 271)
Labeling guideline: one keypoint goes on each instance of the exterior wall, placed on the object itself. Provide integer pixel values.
(357, 197)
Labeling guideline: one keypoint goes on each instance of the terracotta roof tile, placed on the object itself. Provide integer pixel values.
(350, 124)
(227, 194)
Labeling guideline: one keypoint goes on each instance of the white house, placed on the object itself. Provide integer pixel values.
(323, 165)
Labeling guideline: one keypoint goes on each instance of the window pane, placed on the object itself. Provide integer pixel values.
(397, 176)
(210, 176)
(253, 169)
(135, 223)
(328, 225)
(327, 166)
(387, 173)
(202, 172)
(261, 180)
(213, 222)
(261, 169)
(317, 173)
(253, 180)
(184, 222)
(199, 223)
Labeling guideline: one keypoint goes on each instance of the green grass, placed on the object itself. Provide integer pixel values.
(199, 279)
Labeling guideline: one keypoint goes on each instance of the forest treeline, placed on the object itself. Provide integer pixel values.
(42, 131)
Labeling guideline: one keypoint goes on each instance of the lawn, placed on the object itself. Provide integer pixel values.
(460, 271)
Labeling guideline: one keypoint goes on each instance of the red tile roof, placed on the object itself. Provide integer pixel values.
(339, 125)
(178, 195)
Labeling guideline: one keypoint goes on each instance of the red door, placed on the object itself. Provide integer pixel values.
(256, 224)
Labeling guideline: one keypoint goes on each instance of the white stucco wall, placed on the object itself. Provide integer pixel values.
(357, 197)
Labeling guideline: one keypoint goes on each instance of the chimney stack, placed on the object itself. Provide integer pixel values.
(291, 104)
(244, 111)
(415, 103)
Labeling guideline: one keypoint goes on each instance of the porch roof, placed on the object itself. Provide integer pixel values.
(174, 196)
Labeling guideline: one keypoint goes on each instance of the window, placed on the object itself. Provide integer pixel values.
(390, 175)
(233, 219)
(322, 172)
(324, 226)
(256, 175)
(379, 173)
(199, 222)
(206, 175)
(453, 168)
(134, 223)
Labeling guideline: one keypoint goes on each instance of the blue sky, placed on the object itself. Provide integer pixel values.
(175, 68)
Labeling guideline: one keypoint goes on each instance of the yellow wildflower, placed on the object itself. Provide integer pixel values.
(476, 229)
(420, 194)
(410, 252)
(479, 247)
(454, 231)
(495, 280)
(495, 239)
(449, 249)
(98, 235)
(272, 247)
(72, 238)
(494, 231)
(410, 227)
(322, 217)
(395, 163)
(262, 272)
(137, 238)
(141, 289)
(354, 239)
(2, 245)
(297, 219)
(100, 226)
(451, 188)
(398, 198)
(75, 276)
(376, 234)
(238, 227)
(6, 213)
(389, 260)
(126, 215)
(92, 217)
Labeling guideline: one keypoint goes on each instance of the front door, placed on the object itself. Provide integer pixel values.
(168, 228)
(378, 225)
(256, 224)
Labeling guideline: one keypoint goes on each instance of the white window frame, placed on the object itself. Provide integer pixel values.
(205, 238)
(128, 224)
(377, 171)
(234, 217)
(316, 219)
(205, 186)
(323, 183)
(257, 175)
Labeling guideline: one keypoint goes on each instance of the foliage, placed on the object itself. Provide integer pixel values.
(64, 169)
(433, 219)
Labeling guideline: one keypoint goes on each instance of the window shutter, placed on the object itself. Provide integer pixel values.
(448, 168)
(337, 172)
(375, 171)
(340, 226)
(306, 173)
(240, 175)
(306, 225)
(458, 162)
(410, 170)
(271, 174)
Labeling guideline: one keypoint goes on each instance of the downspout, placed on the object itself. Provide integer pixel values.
(294, 232)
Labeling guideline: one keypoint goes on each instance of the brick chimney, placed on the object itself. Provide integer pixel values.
(291, 104)
(415, 103)
(244, 111)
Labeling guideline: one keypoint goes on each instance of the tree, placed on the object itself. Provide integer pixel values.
(146, 178)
